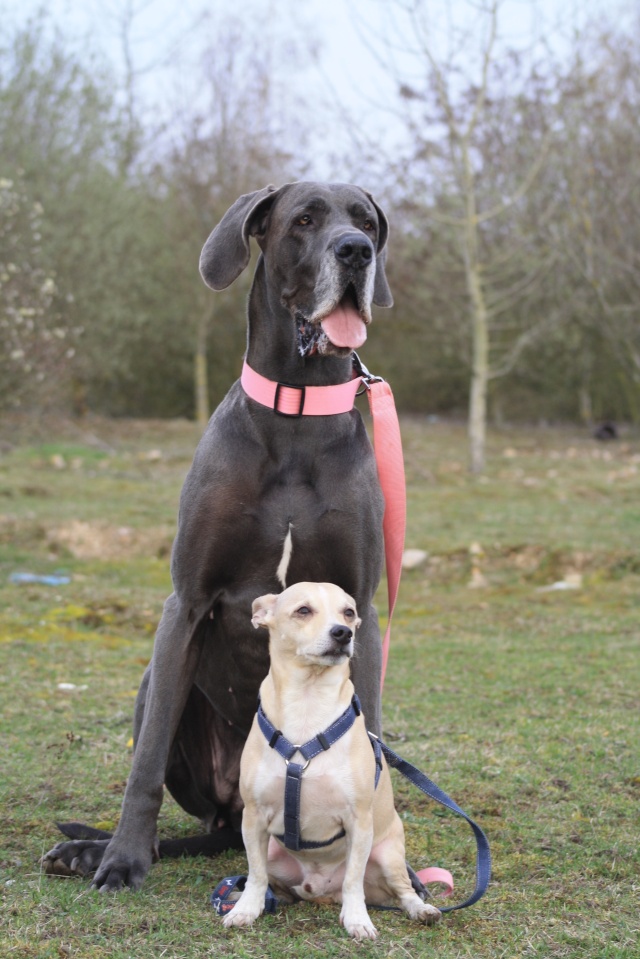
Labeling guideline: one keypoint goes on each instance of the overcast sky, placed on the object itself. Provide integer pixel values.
(347, 34)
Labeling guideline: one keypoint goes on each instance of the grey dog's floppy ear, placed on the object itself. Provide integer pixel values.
(381, 292)
(226, 252)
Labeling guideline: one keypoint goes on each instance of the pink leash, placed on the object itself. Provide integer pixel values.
(390, 462)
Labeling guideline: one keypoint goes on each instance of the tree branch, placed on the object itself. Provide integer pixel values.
(524, 187)
(524, 340)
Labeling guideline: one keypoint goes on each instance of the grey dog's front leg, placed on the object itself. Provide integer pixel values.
(129, 854)
(366, 667)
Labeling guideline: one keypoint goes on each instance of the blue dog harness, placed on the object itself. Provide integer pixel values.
(293, 780)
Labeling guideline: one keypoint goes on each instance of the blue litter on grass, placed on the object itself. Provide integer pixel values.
(44, 580)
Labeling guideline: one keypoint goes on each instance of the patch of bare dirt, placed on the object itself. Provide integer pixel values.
(99, 540)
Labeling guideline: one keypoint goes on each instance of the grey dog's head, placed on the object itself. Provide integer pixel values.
(324, 252)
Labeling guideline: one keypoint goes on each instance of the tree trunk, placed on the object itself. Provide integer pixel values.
(479, 372)
(479, 324)
(586, 408)
(201, 379)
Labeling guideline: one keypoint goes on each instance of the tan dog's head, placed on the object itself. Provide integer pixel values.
(314, 623)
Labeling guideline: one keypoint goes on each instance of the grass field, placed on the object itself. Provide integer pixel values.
(522, 702)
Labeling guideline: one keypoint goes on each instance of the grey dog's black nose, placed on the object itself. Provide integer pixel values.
(341, 634)
(354, 250)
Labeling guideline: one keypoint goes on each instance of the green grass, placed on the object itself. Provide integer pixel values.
(522, 703)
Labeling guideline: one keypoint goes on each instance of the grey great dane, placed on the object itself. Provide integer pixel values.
(269, 501)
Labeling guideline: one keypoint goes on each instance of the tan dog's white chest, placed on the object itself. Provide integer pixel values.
(330, 789)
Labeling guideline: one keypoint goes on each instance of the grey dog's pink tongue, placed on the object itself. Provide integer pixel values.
(345, 327)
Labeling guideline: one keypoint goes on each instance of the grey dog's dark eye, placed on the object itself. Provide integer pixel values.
(303, 220)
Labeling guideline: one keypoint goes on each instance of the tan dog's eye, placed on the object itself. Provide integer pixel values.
(349, 613)
(303, 611)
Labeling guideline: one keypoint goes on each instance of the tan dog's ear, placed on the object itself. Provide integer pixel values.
(262, 610)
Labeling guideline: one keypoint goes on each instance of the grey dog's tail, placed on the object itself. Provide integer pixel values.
(208, 844)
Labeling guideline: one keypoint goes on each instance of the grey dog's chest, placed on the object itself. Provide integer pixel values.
(314, 484)
(310, 489)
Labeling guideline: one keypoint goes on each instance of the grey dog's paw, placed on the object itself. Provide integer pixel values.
(79, 857)
(120, 873)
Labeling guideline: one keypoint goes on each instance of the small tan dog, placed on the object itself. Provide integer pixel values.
(358, 838)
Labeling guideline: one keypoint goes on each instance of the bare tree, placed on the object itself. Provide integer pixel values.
(459, 176)
(596, 231)
(234, 141)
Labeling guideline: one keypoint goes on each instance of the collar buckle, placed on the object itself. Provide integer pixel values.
(276, 399)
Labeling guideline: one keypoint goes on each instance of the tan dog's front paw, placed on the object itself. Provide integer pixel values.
(358, 925)
(240, 917)
(247, 909)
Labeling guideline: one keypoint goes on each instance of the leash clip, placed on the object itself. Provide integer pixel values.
(362, 371)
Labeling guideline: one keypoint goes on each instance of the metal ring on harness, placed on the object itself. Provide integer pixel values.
(287, 761)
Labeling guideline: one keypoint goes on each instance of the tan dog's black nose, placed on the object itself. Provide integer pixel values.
(341, 635)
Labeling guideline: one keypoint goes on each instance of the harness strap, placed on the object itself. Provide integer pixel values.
(291, 836)
(292, 786)
(313, 747)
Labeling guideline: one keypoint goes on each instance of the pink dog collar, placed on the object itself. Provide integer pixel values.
(299, 400)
